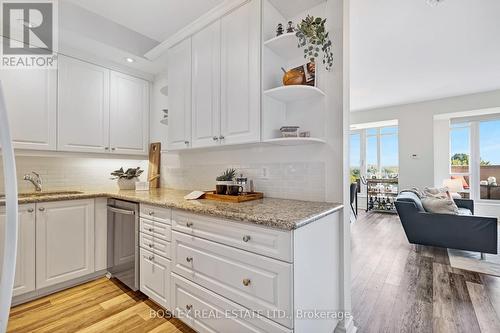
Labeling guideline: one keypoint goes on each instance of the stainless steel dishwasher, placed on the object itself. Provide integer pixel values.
(123, 242)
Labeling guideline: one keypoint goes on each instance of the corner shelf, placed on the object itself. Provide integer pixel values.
(285, 46)
(294, 141)
(294, 93)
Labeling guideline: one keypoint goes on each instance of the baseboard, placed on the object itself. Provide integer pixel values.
(24, 298)
(346, 326)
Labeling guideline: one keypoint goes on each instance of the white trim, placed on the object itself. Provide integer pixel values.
(203, 21)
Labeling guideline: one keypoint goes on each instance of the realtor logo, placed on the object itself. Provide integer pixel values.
(29, 36)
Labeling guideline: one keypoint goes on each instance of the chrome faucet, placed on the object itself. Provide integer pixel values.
(35, 179)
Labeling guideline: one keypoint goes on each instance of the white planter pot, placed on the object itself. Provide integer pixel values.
(127, 184)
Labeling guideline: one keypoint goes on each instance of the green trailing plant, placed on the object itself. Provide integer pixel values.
(129, 174)
(227, 176)
(314, 39)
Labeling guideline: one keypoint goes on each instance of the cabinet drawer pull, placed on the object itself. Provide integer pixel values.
(215, 138)
(186, 142)
(221, 137)
(30, 210)
(189, 224)
(151, 213)
(246, 238)
(189, 259)
(150, 229)
(149, 257)
(150, 245)
(189, 307)
(246, 282)
(41, 209)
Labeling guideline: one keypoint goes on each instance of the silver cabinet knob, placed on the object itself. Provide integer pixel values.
(106, 148)
(151, 213)
(150, 229)
(113, 149)
(150, 245)
(215, 138)
(246, 282)
(221, 137)
(149, 257)
(186, 142)
(246, 238)
(41, 209)
(189, 307)
(30, 210)
(189, 259)
(189, 224)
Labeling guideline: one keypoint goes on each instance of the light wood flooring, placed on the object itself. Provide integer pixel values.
(99, 306)
(394, 289)
(398, 289)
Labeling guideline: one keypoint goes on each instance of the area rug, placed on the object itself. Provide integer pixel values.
(470, 261)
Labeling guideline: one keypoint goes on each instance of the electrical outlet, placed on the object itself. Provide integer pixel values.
(265, 173)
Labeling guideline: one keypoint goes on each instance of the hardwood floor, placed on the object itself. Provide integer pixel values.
(398, 289)
(99, 306)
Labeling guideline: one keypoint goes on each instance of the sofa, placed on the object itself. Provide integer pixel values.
(464, 231)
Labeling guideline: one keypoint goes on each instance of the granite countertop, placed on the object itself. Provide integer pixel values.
(275, 213)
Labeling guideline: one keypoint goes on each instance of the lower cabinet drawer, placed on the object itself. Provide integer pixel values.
(256, 282)
(206, 311)
(155, 277)
(158, 229)
(156, 245)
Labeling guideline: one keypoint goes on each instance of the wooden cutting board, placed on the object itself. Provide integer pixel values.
(211, 195)
(154, 165)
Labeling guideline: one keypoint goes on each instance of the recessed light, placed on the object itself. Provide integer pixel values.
(130, 60)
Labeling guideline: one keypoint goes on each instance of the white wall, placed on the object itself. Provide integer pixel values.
(416, 131)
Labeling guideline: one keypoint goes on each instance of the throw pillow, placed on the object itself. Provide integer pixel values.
(439, 201)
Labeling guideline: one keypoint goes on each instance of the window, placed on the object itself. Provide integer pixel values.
(489, 160)
(355, 156)
(460, 155)
(374, 152)
(475, 157)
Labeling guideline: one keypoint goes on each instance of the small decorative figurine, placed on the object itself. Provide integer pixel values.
(279, 29)
(290, 28)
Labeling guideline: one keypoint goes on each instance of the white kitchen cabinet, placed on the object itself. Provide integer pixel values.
(129, 114)
(64, 241)
(24, 281)
(206, 87)
(83, 101)
(240, 75)
(31, 98)
(179, 95)
(155, 277)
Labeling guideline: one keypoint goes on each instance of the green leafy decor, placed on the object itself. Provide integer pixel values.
(129, 174)
(313, 39)
(227, 175)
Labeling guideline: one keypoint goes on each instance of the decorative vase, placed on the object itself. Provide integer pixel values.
(127, 184)
(293, 77)
(221, 187)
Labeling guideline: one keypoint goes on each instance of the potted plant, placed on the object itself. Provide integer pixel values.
(126, 179)
(225, 179)
(313, 38)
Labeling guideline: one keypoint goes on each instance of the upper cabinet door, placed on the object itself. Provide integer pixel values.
(83, 120)
(129, 121)
(206, 87)
(31, 98)
(179, 95)
(240, 74)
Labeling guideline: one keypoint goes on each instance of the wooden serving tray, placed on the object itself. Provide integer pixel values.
(211, 195)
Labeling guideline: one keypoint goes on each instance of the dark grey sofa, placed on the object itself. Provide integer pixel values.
(464, 231)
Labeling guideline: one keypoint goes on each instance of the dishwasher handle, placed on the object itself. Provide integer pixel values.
(121, 210)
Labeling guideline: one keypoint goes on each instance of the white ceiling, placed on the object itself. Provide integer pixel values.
(290, 8)
(156, 19)
(405, 51)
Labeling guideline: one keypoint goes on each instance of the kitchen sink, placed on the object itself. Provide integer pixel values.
(42, 194)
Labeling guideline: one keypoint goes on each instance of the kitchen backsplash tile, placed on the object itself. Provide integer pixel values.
(69, 172)
(290, 180)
